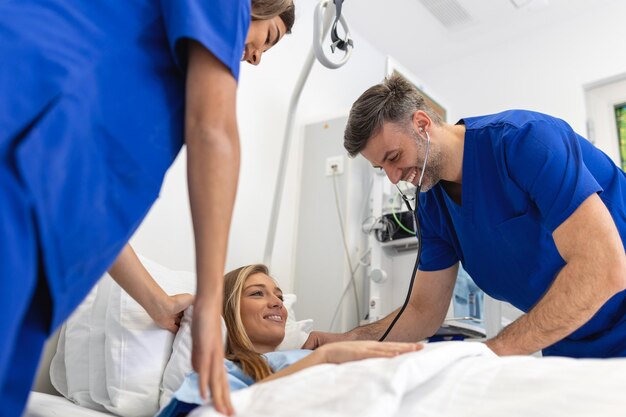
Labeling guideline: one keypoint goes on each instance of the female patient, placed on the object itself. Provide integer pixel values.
(255, 321)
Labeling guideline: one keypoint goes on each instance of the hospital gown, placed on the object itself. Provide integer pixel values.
(187, 397)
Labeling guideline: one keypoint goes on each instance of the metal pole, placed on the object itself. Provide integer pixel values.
(284, 156)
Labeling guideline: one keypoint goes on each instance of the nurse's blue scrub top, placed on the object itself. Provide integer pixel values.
(92, 117)
(524, 173)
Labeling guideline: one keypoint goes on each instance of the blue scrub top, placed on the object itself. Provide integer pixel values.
(92, 105)
(524, 173)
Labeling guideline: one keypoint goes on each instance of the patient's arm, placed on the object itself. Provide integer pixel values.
(130, 274)
(346, 351)
(422, 317)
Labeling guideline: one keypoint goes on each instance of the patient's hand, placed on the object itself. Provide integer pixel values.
(168, 313)
(348, 351)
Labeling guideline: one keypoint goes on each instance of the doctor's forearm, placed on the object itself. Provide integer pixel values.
(571, 301)
(595, 270)
(411, 327)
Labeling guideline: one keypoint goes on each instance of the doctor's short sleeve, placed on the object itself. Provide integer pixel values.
(220, 26)
(437, 250)
(544, 158)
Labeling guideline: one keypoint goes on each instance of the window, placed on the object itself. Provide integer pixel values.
(620, 119)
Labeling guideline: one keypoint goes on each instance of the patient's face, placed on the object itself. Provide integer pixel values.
(262, 312)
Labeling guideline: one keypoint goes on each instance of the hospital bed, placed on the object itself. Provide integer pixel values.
(110, 359)
(445, 379)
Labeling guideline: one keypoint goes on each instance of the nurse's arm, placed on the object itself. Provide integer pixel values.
(595, 270)
(422, 317)
(212, 141)
(132, 276)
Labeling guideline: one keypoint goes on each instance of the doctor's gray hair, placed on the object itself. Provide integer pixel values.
(268, 9)
(394, 100)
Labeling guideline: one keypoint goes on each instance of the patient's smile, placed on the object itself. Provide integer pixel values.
(275, 318)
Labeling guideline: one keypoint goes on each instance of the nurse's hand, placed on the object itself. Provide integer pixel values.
(168, 313)
(317, 339)
(207, 354)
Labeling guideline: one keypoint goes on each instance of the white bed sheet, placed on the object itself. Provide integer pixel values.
(47, 405)
(447, 379)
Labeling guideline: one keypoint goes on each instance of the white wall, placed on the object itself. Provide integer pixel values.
(264, 94)
(544, 70)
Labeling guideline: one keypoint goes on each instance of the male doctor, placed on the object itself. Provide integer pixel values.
(536, 214)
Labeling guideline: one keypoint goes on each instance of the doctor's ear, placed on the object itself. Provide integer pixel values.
(421, 120)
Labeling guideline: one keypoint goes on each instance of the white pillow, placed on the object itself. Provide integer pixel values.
(179, 365)
(136, 349)
(86, 370)
(58, 376)
(289, 300)
(76, 353)
(296, 332)
(97, 388)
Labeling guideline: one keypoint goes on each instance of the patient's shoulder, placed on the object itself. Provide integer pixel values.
(281, 359)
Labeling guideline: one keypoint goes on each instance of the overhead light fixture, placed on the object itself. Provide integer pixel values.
(450, 13)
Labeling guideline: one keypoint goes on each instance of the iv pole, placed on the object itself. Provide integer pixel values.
(323, 20)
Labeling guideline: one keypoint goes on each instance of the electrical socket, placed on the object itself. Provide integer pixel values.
(334, 165)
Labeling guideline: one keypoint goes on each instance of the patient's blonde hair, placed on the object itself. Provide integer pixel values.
(239, 348)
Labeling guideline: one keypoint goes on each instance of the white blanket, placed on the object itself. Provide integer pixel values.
(445, 379)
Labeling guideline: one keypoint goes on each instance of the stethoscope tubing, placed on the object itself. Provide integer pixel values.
(418, 235)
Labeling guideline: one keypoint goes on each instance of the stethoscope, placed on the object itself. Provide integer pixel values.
(419, 235)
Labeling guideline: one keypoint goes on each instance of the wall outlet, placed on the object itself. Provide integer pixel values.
(334, 165)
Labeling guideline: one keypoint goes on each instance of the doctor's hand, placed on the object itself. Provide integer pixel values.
(317, 339)
(168, 312)
(207, 354)
(356, 350)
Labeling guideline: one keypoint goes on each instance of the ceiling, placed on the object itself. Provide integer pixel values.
(423, 34)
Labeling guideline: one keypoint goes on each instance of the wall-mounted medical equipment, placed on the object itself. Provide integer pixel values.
(320, 29)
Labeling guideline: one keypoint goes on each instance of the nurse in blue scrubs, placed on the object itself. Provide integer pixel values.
(534, 212)
(96, 100)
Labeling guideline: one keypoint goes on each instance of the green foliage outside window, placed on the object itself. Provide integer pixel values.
(620, 118)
